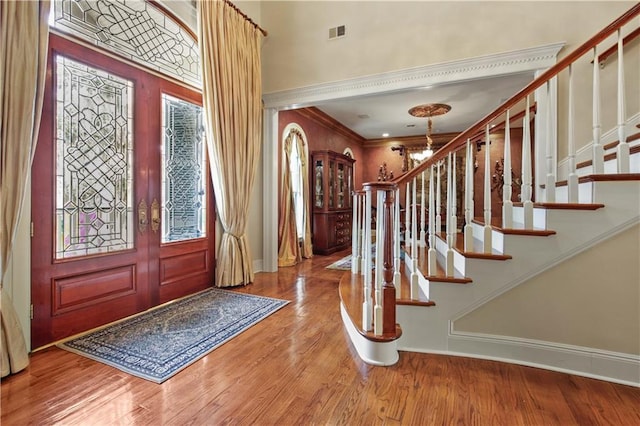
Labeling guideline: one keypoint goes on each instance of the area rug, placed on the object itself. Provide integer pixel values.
(344, 264)
(159, 343)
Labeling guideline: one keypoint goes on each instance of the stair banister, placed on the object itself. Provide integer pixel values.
(507, 205)
(572, 179)
(468, 197)
(388, 289)
(438, 200)
(431, 265)
(363, 245)
(422, 212)
(448, 222)
(550, 149)
(598, 149)
(396, 242)
(367, 305)
(487, 246)
(526, 190)
(407, 213)
(356, 239)
(459, 141)
(378, 277)
(454, 198)
(414, 240)
(623, 146)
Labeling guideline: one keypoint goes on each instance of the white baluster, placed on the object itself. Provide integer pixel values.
(468, 198)
(367, 306)
(396, 242)
(454, 199)
(598, 149)
(414, 242)
(422, 209)
(438, 201)
(366, 224)
(407, 215)
(623, 146)
(572, 180)
(432, 225)
(379, 278)
(355, 236)
(550, 182)
(449, 224)
(507, 205)
(526, 189)
(487, 243)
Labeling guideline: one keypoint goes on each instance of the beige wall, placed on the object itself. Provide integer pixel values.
(393, 35)
(591, 300)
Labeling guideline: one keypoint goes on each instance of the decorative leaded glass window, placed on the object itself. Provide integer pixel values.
(183, 171)
(135, 29)
(94, 157)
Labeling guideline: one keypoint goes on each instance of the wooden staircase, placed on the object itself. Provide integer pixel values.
(561, 231)
(581, 202)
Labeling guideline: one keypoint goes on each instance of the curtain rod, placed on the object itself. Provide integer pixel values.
(264, 32)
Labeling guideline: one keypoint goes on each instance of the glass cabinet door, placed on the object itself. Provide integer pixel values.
(349, 186)
(331, 183)
(341, 186)
(319, 184)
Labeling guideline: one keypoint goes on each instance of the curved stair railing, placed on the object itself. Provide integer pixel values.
(381, 266)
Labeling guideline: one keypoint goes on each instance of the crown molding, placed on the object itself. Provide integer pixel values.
(512, 62)
(314, 114)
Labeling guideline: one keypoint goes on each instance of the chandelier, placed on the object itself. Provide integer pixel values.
(428, 111)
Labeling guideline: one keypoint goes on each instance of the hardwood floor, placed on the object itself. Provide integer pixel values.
(298, 367)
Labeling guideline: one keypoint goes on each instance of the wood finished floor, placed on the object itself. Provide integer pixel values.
(297, 367)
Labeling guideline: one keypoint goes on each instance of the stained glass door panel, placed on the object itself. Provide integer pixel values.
(94, 158)
(184, 201)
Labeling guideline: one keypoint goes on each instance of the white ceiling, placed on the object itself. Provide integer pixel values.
(371, 116)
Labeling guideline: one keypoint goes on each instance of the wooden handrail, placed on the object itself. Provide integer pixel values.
(460, 141)
(501, 125)
(613, 49)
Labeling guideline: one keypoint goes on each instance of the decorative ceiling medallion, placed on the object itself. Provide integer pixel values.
(429, 110)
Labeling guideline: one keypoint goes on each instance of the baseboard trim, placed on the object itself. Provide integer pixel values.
(593, 363)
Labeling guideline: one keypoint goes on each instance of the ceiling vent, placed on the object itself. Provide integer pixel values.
(337, 32)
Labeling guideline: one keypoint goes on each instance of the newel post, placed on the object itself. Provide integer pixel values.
(388, 289)
(384, 312)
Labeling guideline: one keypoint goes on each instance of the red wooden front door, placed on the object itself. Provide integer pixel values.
(112, 232)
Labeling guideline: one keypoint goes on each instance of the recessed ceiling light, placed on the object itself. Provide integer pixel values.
(385, 135)
(411, 125)
(363, 116)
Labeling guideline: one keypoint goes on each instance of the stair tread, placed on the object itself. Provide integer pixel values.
(517, 228)
(604, 177)
(565, 206)
(477, 250)
(440, 274)
(351, 289)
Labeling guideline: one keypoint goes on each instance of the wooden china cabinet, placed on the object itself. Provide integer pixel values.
(331, 187)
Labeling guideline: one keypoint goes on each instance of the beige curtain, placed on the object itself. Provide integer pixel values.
(23, 56)
(289, 251)
(307, 247)
(232, 90)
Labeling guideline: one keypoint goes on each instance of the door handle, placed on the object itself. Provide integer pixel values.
(143, 220)
(155, 215)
